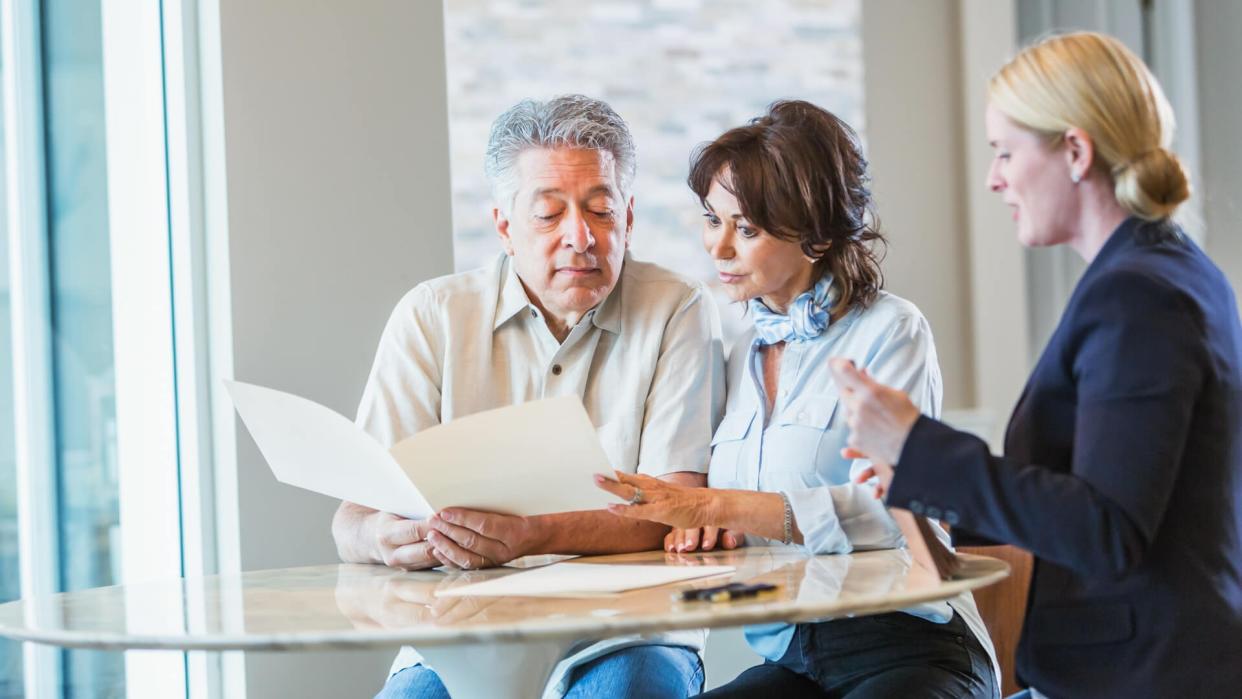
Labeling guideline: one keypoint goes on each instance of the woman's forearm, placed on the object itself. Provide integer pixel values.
(761, 514)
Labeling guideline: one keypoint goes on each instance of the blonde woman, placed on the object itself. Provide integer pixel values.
(1122, 470)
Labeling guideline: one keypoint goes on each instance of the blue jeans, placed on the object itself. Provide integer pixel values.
(639, 672)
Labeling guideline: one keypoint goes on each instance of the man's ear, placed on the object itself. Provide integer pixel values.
(501, 222)
(1079, 153)
(629, 221)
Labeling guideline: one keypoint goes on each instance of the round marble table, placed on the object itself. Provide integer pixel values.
(481, 646)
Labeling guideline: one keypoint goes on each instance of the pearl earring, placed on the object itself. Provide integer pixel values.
(1075, 177)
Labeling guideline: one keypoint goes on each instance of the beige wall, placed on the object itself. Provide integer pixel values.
(1220, 93)
(336, 152)
(925, 66)
(913, 107)
(913, 103)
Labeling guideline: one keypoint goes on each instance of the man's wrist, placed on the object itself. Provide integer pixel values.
(367, 542)
(536, 535)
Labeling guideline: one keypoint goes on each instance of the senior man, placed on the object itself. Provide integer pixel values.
(563, 311)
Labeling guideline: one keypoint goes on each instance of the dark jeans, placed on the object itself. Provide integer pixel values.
(886, 655)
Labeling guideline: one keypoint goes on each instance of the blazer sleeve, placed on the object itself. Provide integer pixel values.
(1136, 356)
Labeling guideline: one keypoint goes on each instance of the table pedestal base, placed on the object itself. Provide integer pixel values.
(517, 669)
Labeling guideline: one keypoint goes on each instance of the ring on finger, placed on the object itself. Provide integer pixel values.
(637, 497)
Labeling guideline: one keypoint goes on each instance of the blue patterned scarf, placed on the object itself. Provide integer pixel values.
(806, 320)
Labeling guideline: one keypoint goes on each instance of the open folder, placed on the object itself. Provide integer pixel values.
(528, 459)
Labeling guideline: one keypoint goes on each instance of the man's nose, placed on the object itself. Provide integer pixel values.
(576, 232)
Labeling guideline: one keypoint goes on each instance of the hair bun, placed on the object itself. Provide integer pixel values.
(1152, 184)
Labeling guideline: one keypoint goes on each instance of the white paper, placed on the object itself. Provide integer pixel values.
(528, 459)
(583, 580)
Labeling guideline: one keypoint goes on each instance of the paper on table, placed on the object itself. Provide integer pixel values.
(528, 459)
(582, 580)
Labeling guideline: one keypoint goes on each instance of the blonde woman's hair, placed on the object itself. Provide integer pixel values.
(1093, 82)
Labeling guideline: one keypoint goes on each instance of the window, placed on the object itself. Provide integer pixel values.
(80, 286)
(11, 682)
(95, 198)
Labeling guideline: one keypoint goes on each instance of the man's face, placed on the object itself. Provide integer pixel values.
(568, 229)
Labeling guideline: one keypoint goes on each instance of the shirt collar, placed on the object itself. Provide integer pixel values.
(608, 314)
(513, 300)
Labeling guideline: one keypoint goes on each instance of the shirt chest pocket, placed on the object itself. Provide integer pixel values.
(808, 438)
(728, 447)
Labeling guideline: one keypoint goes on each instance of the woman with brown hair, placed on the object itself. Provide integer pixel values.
(787, 221)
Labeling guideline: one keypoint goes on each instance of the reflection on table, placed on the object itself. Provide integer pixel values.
(359, 605)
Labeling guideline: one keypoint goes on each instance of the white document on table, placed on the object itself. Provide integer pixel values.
(528, 459)
(583, 580)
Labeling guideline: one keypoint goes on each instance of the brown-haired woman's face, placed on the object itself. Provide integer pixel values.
(750, 263)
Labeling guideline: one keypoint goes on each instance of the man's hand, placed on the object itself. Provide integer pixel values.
(363, 535)
(470, 539)
(402, 543)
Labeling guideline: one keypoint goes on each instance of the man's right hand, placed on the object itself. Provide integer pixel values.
(363, 535)
(402, 543)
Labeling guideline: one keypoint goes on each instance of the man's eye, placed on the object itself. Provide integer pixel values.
(603, 214)
(547, 217)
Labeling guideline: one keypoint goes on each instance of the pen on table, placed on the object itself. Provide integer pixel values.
(725, 593)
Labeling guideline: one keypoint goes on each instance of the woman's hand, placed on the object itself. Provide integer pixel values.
(880, 419)
(677, 506)
(685, 540)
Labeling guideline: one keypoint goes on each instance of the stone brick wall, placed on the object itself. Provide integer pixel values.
(679, 71)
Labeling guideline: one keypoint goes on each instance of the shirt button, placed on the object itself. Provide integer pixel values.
(534, 313)
(932, 512)
(916, 507)
(951, 518)
(556, 369)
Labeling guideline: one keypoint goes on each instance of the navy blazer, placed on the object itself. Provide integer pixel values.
(1122, 474)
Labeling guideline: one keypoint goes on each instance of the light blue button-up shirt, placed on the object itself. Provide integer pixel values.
(797, 449)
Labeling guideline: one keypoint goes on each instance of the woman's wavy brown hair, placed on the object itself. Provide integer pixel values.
(799, 175)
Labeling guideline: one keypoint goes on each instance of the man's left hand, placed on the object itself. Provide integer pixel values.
(470, 539)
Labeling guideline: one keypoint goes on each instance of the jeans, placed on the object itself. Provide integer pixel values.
(638, 672)
(873, 657)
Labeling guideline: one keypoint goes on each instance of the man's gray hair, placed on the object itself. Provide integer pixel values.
(568, 121)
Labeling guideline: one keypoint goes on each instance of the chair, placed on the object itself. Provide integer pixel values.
(1003, 607)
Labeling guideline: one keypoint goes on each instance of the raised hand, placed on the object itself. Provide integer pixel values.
(879, 418)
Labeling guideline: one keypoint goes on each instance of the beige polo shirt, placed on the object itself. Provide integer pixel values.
(647, 363)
